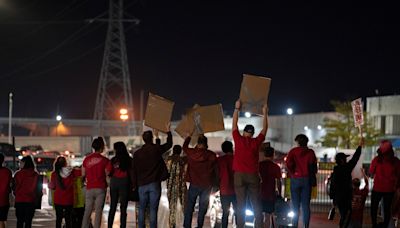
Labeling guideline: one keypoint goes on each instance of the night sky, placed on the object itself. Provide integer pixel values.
(196, 52)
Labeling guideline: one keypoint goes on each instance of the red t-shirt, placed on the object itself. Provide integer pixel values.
(269, 171)
(25, 185)
(5, 177)
(95, 166)
(116, 171)
(357, 203)
(298, 161)
(62, 196)
(226, 186)
(246, 155)
(386, 173)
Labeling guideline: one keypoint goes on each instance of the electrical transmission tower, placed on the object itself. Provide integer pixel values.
(114, 90)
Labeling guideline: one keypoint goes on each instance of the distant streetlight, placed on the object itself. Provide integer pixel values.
(306, 128)
(289, 111)
(247, 114)
(123, 114)
(319, 127)
(58, 118)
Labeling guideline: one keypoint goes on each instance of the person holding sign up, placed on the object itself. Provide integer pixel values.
(245, 166)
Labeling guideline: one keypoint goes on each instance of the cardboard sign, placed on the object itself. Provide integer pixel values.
(357, 112)
(254, 93)
(158, 112)
(200, 120)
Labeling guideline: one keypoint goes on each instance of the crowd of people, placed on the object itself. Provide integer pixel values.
(240, 177)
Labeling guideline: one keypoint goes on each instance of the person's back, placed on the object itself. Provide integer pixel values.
(95, 165)
(25, 185)
(358, 201)
(5, 189)
(201, 173)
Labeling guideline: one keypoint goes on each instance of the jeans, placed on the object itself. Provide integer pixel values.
(226, 201)
(149, 194)
(204, 200)
(119, 189)
(247, 186)
(65, 212)
(300, 191)
(387, 202)
(94, 197)
(24, 213)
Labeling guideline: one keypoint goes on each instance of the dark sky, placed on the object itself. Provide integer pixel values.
(196, 52)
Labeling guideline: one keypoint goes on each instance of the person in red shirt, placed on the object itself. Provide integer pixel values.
(24, 187)
(5, 184)
(385, 168)
(95, 168)
(202, 173)
(226, 186)
(358, 201)
(120, 183)
(62, 182)
(271, 184)
(301, 161)
(245, 166)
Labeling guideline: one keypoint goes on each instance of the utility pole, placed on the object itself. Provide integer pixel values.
(10, 103)
(114, 89)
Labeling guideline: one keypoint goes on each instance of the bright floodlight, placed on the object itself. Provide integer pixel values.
(289, 111)
(123, 111)
(58, 118)
(247, 114)
(306, 128)
(249, 212)
(319, 127)
(291, 214)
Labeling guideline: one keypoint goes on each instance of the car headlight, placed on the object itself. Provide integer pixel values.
(249, 212)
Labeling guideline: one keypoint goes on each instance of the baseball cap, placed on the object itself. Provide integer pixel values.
(249, 129)
(340, 156)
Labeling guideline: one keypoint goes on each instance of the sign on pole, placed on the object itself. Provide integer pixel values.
(357, 112)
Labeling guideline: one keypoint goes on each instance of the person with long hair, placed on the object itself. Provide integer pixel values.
(176, 184)
(95, 168)
(119, 184)
(62, 182)
(24, 186)
(385, 169)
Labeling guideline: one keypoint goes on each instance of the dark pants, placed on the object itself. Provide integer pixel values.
(300, 191)
(226, 201)
(387, 202)
(119, 188)
(24, 213)
(149, 194)
(63, 212)
(344, 206)
(193, 193)
(247, 186)
(77, 216)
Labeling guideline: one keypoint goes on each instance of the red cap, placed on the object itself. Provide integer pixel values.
(385, 146)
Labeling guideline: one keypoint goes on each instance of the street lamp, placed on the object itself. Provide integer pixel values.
(247, 114)
(58, 118)
(289, 111)
(123, 114)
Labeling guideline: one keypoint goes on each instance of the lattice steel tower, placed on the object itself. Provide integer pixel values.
(114, 90)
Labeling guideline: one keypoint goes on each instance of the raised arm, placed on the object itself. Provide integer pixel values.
(235, 117)
(356, 156)
(166, 146)
(265, 120)
(365, 179)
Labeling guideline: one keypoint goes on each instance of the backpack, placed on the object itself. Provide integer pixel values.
(331, 185)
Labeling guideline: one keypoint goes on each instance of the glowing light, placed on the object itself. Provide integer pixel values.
(123, 111)
(123, 117)
(66, 152)
(290, 214)
(20, 157)
(58, 118)
(247, 114)
(289, 111)
(319, 127)
(306, 128)
(249, 212)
